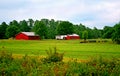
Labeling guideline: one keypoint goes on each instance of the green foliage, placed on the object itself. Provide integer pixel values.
(24, 26)
(64, 28)
(51, 29)
(78, 29)
(95, 67)
(116, 34)
(105, 67)
(5, 57)
(30, 23)
(90, 33)
(11, 31)
(17, 67)
(40, 29)
(53, 56)
(14, 23)
(108, 31)
(48, 29)
(3, 28)
(32, 66)
(85, 35)
(96, 33)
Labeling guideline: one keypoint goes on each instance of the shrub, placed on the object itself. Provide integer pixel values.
(5, 57)
(53, 56)
(98, 66)
(17, 67)
(105, 67)
(31, 66)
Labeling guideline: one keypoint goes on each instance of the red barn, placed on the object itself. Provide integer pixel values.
(27, 36)
(68, 37)
(73, 36)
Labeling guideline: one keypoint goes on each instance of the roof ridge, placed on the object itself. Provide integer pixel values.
(29, 33)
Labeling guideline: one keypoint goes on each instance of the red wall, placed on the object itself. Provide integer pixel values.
(22, 36)
(34, 37)
(72, 37)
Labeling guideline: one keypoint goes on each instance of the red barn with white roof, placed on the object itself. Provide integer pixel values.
(27, 36)
(68, 37)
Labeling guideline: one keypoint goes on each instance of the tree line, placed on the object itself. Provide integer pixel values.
(48, 29)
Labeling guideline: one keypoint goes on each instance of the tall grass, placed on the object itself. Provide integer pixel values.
(33, 66)
(53, 56)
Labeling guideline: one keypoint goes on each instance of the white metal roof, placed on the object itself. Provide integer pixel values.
(30, 33)
(73, 35)
(68, 35)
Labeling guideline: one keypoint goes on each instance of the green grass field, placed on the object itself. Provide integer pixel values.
(71, 48)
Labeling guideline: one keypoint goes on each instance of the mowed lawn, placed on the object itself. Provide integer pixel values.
(71, 48)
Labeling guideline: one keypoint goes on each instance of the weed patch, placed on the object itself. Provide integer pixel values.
(53, 56)
(33, 66)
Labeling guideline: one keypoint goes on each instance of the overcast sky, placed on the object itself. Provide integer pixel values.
(91, 13)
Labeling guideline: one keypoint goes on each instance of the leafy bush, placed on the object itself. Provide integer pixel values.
(5, 57)
(17, 67)
(53, 56)
(106, 67)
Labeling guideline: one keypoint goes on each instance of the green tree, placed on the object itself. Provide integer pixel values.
(96, 33)
(52, 29)
(90, 33)
(116, 33)
(107, 32)
(15, 23)
(65, 27)
(11, 31)
(45, 21)
(78, 29)
(3, 27)
(30, 23)
(40, 29)
(24, 26)
(85, 35)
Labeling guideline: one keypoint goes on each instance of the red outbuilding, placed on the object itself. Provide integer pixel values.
(68, 37)
(72, 36)
(27, 36)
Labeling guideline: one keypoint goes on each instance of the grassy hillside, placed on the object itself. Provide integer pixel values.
(71, 48)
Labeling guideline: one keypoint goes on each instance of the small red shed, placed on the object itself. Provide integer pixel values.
(27, 36)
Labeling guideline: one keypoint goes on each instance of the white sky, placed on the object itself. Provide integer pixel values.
(91, 13)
